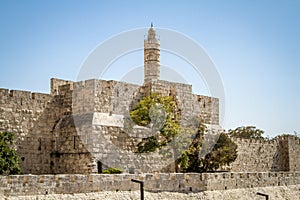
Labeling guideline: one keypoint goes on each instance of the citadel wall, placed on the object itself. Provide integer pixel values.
(34, 119)
(22, 113)
(294, 153)
(68, 152)
(108, 104)
(256, 155)
(190, 182)
(70, 130)
(198, 106)
(280, 154)
(59, 132)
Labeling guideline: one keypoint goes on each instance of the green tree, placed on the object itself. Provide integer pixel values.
(247, 132)
(223, 153)
(158, 110)
(161, 114)
(9, 159)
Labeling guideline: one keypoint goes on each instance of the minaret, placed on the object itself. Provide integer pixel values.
(151, 57)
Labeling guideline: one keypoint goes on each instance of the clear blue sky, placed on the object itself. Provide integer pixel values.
(254, 45)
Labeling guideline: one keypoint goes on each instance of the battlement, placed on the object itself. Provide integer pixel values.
(55, 83)
(286, 137)
(255, 141)
(21, 94)
(166, 87)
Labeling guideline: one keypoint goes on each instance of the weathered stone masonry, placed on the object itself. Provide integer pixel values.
(189, 182)
(280, 154)
(48, 140)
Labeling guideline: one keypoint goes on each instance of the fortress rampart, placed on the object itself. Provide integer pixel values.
(190, 182)
(59, 132)
(279, 154)
(48, 129)
(49, 134)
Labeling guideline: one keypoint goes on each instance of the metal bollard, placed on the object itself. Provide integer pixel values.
(265, 195)
(141, 187)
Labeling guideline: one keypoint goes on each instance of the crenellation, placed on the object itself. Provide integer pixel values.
(55, 83)
(4, 92)
(19, 94)
(40, 96)
(20, 97)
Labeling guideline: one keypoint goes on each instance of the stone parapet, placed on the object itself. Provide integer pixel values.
(173, 182)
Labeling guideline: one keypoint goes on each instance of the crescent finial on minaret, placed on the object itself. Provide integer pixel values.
(151, 25)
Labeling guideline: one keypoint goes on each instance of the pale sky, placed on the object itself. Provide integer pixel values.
(254, 45)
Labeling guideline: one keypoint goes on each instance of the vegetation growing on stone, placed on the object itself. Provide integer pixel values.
(112, 170)
(288, 135)
(223, 153)
(247, 132)
(9, 159)
(158, 112)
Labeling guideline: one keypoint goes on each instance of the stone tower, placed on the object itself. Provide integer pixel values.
(151, 57)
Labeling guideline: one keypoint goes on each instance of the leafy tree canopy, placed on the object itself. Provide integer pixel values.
(9, 159)
(247, 132)
(161, 113)
(143, 114)
(223, 153)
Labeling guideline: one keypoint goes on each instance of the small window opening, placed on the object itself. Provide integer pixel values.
(99, 167)
(74, 142)
(40, 144)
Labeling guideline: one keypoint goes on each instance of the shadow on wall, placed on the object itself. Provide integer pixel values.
(52, 145)
(281, 157)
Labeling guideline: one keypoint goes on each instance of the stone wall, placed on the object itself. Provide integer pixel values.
(69, 153)
(191, 105)
(192, 182)
(256, 156)
(19, 111)
(70, 130)
(55, 83)
(83, 123)
(294, 153)
(104, 106)
(23, 113)
(223, 181)
(279, 154)
(44, 130)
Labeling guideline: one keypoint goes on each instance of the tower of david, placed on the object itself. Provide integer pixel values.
(84, 127)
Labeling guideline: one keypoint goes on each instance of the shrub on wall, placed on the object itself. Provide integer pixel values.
(112, 171)
(148, 113)
(9, 159)
(161, 114)
(247, 132)
(223, 153)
